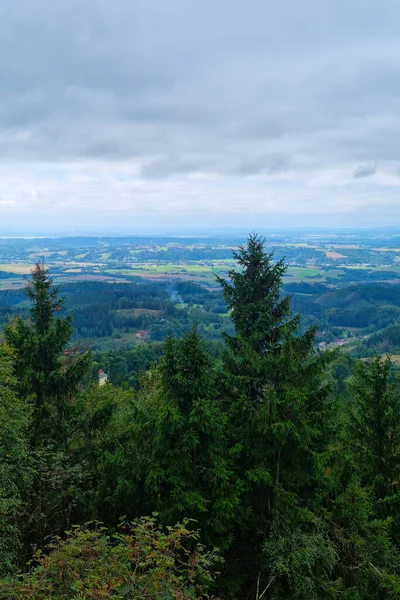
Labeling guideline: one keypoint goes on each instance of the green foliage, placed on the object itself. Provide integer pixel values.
(141, 562)
(275, 396)
(287, 458)
(58, 497)
(191, 470)
(299, 562)
(15, 465)
(172, 449)
(361, 526)
(374, 434)
(44, 371)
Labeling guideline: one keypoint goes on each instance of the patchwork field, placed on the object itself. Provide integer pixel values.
(330, 258)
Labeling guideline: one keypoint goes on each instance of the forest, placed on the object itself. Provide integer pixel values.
(230, 458)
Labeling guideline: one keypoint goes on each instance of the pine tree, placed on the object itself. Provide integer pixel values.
(275, 392)
(192, 465)
(374, 434)
(272, 372)
(15, 464)
(357, 495)
(170, 454)
(45, 371)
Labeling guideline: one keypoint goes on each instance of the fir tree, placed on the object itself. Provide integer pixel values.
(15, 463)
(357, 495)
(374, 434)
(274, 378)
(45, 372)
(275, 392)
(171, 456)
(193, 467)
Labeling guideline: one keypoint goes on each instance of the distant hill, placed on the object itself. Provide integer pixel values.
(360, 296)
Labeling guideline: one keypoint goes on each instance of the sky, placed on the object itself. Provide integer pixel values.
(122, 116)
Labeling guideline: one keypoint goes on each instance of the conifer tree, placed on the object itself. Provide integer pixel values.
(193, 467)
(172, 455)
(43, 371)
(357, 494)
(373, 434)
(272, 371)
(274, 388)
(15, 465)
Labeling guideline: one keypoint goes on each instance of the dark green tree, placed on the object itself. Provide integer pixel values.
(275, 397)
(357, 495)
(46, 371)
(192, 466)
(374, 434)
(15, 464)
(172, 453)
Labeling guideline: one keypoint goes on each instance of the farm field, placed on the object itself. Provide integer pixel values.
(16, 268)
(326, 258)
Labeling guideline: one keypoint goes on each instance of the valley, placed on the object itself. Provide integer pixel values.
(134, 291)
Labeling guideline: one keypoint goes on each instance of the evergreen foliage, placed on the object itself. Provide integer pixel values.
(173, 453)
(287, 458)
(374, 435)
(45, 371)
(275, 394)
(15, 467)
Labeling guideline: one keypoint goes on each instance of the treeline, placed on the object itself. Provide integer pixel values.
(368, 308)
(285, 460)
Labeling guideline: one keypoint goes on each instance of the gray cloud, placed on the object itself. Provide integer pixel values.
(291, 100)
(365, 170)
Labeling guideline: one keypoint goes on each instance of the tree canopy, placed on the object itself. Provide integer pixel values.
(269, 470)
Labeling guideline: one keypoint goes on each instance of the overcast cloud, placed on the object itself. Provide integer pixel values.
(131, 114)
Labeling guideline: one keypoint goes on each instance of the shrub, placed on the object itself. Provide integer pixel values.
(142, 561)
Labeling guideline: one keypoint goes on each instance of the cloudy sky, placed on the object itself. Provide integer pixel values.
(125, 115)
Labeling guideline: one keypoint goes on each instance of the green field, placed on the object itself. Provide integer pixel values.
(200, 260)
(303, 272)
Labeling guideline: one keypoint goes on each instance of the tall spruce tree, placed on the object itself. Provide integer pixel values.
(274, 388)
(274, 378)
(374, 434)
(45, 373)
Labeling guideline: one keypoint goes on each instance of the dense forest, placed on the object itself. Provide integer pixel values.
(117, 320)
(247, 465)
